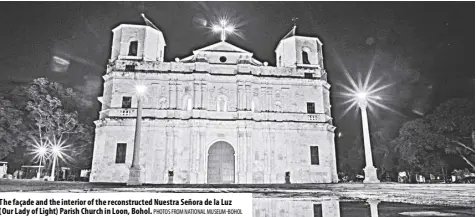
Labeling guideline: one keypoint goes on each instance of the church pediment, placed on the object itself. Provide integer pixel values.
(223, 47)
(222, 53)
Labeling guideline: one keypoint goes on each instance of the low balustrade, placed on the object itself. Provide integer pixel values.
(214, 115)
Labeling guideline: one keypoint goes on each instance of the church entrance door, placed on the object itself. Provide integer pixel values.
(221, 163)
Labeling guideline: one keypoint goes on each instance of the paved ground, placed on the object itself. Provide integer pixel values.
(430, 194)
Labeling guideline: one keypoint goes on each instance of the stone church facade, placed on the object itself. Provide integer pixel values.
(217, 116)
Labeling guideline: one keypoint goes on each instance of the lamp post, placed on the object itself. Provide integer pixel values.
(369, 170)
(135, 170)
(55, 150)
(41, 153)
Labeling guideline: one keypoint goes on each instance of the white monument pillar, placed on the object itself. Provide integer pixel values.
(369, 170)
(135, 170)
(373, 207)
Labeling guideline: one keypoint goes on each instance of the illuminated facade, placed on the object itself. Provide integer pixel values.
(217, 116)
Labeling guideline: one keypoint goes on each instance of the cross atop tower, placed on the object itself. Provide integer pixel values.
(295, 19)
(223, 27)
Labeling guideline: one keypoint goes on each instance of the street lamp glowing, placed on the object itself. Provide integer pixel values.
(42, 151)
(361, 95)
(56, 150)
(141, 89)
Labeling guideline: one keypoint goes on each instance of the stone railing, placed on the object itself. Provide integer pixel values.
(126, 112)
(313, 117)
(214, 115)
(153, 66)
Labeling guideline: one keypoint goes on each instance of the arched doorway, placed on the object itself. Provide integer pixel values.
(221, 163)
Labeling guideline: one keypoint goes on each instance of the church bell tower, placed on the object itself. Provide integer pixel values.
(138, 42)
(299, 51)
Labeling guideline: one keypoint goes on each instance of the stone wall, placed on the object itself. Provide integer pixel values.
(245, 93)
(264, 152)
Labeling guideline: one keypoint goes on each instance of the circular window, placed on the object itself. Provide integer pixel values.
(222, 59)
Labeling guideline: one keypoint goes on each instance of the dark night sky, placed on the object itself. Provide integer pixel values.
(425, 48)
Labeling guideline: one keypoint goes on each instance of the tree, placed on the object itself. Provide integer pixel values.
(10, 127)
(424, 144)
(45, 111)
(54, 115)
(351, 158)
(416, 149)
(453, 121)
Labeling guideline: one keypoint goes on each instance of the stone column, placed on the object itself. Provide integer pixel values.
(196, 95)
(272, 172)
(369, 170)
(248, 97)
(266, 155)
(178, 103)
(270, 102)
(191, 156)
(249, 158)
(172, 95)
(204, 157)
(241, 156)
(205, 96)
(263, 101)
(242, 97)
(168, 152)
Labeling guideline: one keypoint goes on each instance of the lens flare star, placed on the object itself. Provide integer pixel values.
(59, 149)
(39, 149)
(224, 25)
(363, 91)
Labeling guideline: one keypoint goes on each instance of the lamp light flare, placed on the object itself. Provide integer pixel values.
(42, 150)
(59, 148)
(56, 149)
(363, 90)
(39, 149)
(361, 95)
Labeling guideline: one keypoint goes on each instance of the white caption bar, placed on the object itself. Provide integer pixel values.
(126, 204)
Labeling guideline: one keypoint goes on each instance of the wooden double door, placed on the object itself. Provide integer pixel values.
(221, 164)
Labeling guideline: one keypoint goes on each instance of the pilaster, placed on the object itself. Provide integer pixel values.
(204, 153)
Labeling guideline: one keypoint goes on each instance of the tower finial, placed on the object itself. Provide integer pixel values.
(295, 19)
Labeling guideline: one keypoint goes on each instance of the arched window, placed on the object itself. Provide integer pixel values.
(133, 48)
(221, 104)
(305, 57)
(280, 61)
